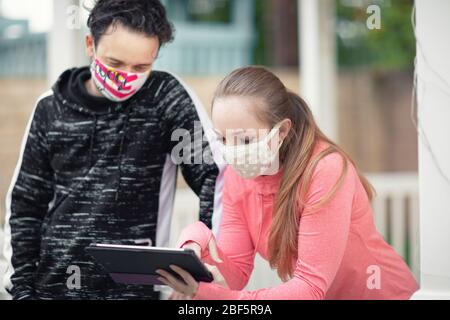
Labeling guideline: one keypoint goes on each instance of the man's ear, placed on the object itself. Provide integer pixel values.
(89, 46)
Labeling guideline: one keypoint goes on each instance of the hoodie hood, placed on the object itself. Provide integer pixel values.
(70, 90)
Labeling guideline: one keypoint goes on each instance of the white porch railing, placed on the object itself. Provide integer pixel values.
(396, 213)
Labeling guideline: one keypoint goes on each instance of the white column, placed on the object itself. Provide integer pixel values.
(65, 45)
(318, 68)
(434, 113)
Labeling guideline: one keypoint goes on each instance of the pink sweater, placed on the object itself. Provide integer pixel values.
(339, 249)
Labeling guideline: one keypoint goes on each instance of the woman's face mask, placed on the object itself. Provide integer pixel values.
(114, 84)
(256, 159)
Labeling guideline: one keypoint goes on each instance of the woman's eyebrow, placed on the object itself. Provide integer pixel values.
(235, 131)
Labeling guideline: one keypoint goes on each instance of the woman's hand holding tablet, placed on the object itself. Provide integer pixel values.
(184, 286)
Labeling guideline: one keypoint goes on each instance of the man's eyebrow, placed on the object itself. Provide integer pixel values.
(144, 64)
(114, 59)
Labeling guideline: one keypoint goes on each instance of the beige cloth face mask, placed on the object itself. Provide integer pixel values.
(255, 159)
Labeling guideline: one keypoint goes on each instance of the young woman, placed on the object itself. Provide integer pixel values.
(311, 219)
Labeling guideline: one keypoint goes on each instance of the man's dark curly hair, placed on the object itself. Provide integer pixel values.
(144, 16)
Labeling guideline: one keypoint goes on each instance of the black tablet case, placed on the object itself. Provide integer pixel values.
(137, 266)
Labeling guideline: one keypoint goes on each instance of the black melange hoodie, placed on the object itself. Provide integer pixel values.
(93, 171)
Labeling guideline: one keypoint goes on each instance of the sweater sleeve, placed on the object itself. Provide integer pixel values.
(193, 148)
(322, 239)
(237, 260)
(27, 203)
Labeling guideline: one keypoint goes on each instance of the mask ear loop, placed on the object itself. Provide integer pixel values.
(272, 133)
(269, 137)
(95, 52)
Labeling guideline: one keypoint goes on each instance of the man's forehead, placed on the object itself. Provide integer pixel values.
(129, 47)
(129, 60)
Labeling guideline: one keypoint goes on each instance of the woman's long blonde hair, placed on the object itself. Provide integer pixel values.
(296, 156)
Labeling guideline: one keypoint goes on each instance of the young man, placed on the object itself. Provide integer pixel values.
(96, 164)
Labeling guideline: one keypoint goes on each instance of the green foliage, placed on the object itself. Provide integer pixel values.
(260, 52)
(391, 47)
(218, 11)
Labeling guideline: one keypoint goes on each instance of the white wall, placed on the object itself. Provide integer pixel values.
(433, 25)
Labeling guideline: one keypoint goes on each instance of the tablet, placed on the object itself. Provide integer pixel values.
(137, 265)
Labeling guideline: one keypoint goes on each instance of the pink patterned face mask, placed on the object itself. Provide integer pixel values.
(114, 84)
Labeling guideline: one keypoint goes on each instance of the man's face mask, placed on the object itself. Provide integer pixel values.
(114, 84)
(256, 159)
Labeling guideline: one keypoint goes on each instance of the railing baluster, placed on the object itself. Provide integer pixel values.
(398, 224)
(379, 212)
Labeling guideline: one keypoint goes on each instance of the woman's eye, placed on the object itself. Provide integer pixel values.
(247, 140)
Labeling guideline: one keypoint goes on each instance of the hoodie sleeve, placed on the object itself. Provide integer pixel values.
(194, 149)
(27, 203)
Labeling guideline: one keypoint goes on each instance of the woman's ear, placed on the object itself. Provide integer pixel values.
(285, 128)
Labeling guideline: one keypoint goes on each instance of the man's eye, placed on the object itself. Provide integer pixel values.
(142, 69)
